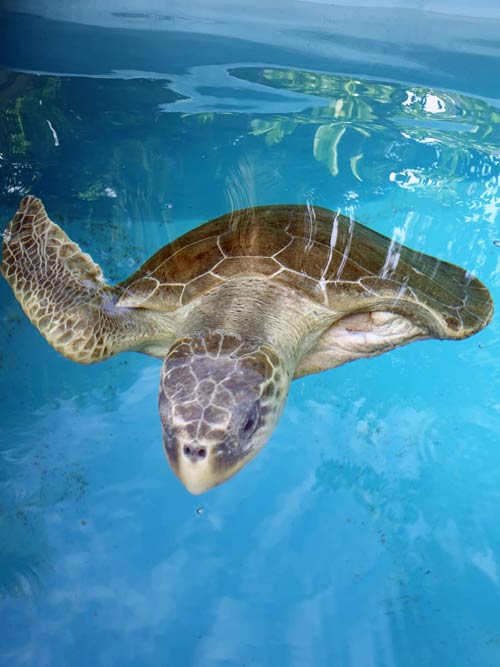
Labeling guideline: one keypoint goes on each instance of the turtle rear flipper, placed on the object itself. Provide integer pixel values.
(63, 292)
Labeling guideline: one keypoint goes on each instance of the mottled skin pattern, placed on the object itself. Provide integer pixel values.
(220, 398)
(63, 291)
(237, 308)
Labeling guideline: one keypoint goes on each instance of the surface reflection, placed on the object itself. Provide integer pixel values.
(463, 132)
(371, 135)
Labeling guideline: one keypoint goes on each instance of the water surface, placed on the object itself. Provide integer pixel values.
(366, 532)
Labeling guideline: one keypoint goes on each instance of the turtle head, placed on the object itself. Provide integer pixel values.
(220, 399)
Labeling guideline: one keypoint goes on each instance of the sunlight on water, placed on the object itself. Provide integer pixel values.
(366, 531)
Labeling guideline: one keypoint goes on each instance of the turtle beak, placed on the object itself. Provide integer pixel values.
(194, 470)
(199, 468)
(193, 465)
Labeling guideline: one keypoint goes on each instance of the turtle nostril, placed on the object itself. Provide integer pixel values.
(194, 453)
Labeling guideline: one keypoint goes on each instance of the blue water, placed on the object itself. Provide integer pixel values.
(366, 533)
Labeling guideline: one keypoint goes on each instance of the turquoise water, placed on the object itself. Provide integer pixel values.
(366, 533)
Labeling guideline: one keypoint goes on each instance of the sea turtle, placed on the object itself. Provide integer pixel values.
(236, 309)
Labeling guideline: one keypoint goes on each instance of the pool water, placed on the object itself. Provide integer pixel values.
(366, 533)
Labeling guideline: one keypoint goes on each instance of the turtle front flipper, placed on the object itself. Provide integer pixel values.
(359, 336)
(63, 292)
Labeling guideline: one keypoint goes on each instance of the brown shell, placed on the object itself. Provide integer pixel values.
(333, 260)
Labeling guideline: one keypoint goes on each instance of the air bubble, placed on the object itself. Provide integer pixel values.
(496, 243)
(199, 511)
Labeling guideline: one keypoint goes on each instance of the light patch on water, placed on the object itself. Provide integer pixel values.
(434, 104)
(275, 527)
(486, 562)
(54, 133)
(229, 636)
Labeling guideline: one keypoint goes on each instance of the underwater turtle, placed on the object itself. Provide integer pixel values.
(236, 309)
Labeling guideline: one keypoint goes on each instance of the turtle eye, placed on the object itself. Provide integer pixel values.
(251, 422)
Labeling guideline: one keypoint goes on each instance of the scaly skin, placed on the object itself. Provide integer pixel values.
(64, 294)
(220, 399)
